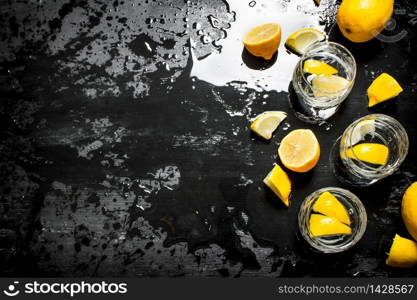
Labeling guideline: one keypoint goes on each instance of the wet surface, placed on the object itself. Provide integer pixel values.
(125, 148)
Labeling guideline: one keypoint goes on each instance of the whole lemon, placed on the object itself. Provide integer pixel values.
(361, 20)
(409, 209)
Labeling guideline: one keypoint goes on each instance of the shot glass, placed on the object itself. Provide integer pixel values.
(320, 92)
(339, 242)
(370, 149)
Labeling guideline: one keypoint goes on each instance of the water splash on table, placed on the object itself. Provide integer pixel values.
(228, 65)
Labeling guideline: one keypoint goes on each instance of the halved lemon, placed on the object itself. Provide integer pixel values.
(403, 253)
(329, 85)
(327, 204)
(299, 150)
(317, 67)
(300, 40)
(263, 40)
(266, 123)
(323, 226)
(279, 182)
(372, 153)
(383, 88)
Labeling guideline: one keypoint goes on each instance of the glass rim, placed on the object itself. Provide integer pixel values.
(333, 44)
(361, 167)
(306, 210)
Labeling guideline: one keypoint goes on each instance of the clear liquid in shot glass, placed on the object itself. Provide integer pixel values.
(333, 243)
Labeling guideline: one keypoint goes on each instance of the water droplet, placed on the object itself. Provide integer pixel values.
(214, 22)
(205, 39)
(197, 26)
(148, 47)
(252, 3)
(217, 47)
(286, 126)
(327, 126)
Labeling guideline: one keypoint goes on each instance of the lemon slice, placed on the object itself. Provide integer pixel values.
(299, 150)
(279, 182)
(409, 209)
(324, 226)
(403, 253)
(266, 123)
(363, 128)
(327, 204)
(372, 153)
(383, 88)
(318, 67)
(263, 40)
(329, 85)
(300, 40)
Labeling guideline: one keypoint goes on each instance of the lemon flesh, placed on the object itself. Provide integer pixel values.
(266, 123)
(409, 209)
(327, 204)
(372, 153)
(403, 253)
(299, 150)
(323, 226)
(363, 128)
(300, 40)
(279, 182)
(383, 88)
(329, 86)
(263, 41)
(318, 67)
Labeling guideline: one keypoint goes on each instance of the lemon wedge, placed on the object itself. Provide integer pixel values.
(403, 253)
(279, 182)
(372, 153)
(266, 123)
(318, 67)
(263, 40)
(300, 40)
(409, 209)
(363, 128)
(327, 204)
(383, 88)
(322, 226)
(299, 150)
(329, 85)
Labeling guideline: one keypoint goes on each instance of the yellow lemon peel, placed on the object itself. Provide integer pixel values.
(323, 226)
(279, 182)
(327, 204)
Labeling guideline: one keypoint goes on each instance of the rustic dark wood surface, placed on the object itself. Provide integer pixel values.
(120, 157)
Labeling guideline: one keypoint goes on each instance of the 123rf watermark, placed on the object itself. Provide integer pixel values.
(71, 289)
(391, 26)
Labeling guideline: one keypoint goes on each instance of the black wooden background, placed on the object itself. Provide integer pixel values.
(115, 161)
